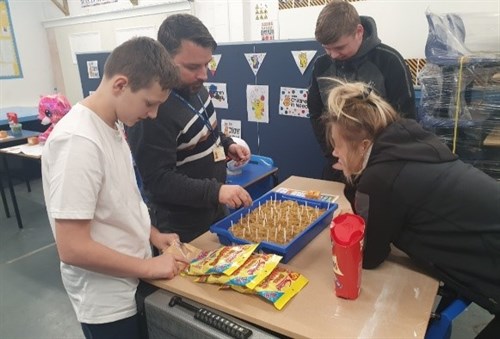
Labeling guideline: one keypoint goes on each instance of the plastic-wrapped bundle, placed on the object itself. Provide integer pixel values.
(453, 35)
(460, 86)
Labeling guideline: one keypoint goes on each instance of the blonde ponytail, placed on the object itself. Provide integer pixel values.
(360, 112)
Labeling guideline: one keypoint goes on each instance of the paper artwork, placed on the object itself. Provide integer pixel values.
(93, 69)
(218, 93)
(255, 61)
(231, 128)
(303, 59)
(293, 102)
(10, 66)
(88, 3)
(267, 30)
(258, 103)
(214, 63)
(261, 11)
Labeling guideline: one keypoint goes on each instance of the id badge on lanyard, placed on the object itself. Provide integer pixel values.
(218, 152)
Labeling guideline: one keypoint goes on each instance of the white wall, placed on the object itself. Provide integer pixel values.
(106, 25)
(401, 24)
(43, 47)
(76, 10)
(272, 16)
(42, 31)
(34, 56)
(219, 16)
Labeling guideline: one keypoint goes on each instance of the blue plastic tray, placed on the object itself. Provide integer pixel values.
(288, 251)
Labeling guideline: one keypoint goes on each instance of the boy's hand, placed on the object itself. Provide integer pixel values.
(165, 266)
(162, 240)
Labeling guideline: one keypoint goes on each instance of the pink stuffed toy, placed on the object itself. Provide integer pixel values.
(51, 109)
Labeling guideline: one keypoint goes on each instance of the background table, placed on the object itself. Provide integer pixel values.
(6, 147)
(28, 116)
(396, 299)
(12, 140)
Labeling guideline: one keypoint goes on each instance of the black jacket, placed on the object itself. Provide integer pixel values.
(374, 63)
(443, 213)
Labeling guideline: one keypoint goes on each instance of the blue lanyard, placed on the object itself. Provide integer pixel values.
(204, 118)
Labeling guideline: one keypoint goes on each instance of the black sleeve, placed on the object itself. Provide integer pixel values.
(316, 108)
(225, 141)
(383, 219)
(154, 147)
(376, 246)
(399, 87)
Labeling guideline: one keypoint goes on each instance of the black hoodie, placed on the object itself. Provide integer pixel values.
(443, 213)
(374, 63)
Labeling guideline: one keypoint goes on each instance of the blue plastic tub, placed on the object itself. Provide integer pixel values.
(288, 251)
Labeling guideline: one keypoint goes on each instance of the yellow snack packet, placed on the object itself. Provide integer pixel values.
(196, 266)
(279, 287)
(250, 274)
(254, 270)
(224, 260)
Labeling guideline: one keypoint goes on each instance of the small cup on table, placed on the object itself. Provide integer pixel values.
(16, 129)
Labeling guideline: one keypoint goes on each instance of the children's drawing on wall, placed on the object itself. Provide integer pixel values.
(258, 103)
(255, 61)
(93, 69)
(218, 93)
(303, 59)
(10, 67)
(88, 3)
(214, 63)
(261, 11)
(293, 102)
(267, 30)
(231, 128)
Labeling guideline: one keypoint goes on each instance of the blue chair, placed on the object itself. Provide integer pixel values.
(266, 184)
(257, 166)
(448, 309)
(260, 159)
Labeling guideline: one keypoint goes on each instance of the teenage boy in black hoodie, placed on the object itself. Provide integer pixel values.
(354, 53)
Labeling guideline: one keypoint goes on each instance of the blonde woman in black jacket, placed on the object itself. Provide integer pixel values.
(415, 193)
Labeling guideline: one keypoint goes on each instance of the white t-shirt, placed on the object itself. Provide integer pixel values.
(87, 173)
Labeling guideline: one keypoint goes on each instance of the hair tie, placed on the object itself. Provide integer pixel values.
(366, 92)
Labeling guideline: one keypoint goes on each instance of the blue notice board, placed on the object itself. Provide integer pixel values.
(288, 140)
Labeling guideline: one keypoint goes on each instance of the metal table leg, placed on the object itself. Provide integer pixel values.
(12, 193)
(4, 199)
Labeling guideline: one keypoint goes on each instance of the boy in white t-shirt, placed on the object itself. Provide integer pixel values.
(101, 225)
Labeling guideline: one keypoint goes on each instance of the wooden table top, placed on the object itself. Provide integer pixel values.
(396, 299)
